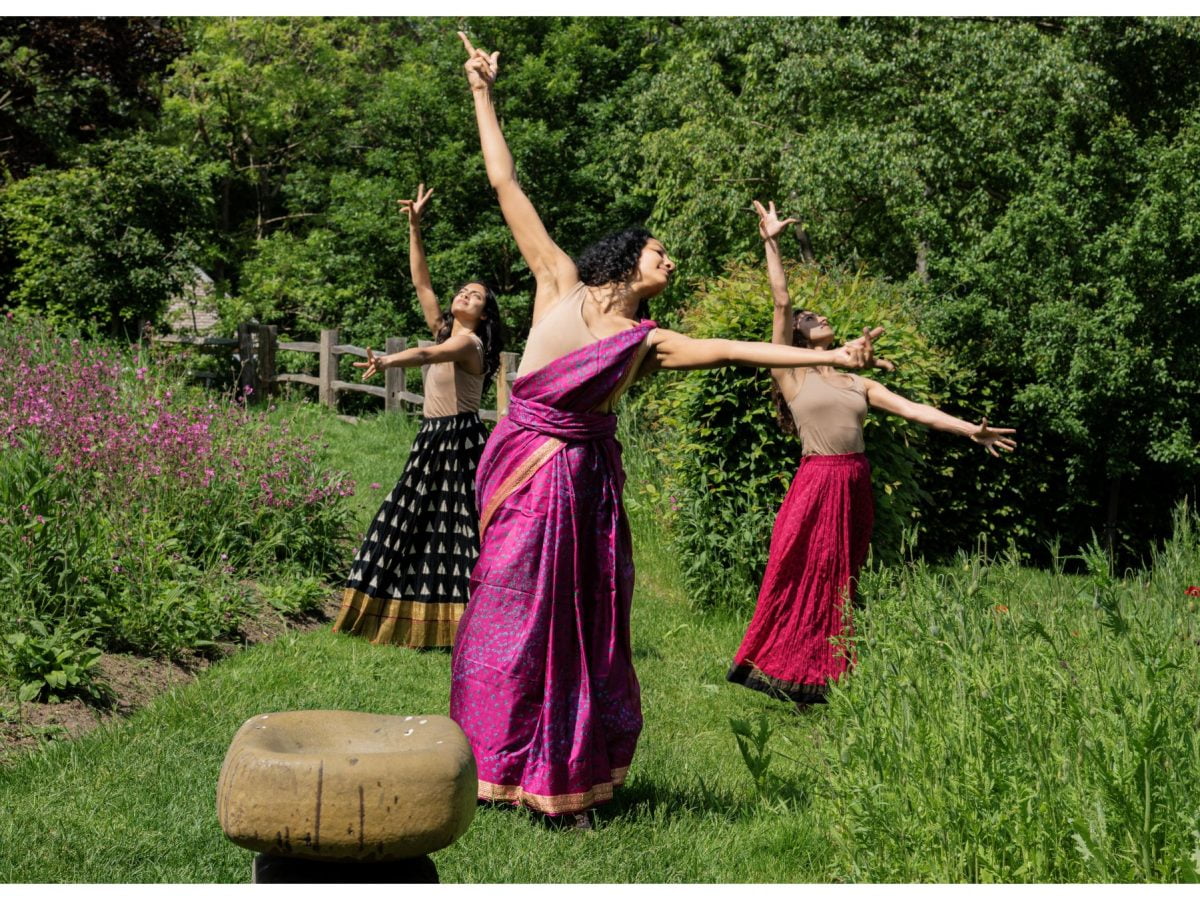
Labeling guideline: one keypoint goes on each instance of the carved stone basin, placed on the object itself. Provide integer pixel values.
(331, 784)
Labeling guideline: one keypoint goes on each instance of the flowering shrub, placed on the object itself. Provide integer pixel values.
(131, 505)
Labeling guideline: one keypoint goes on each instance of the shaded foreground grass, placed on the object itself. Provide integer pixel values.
(1002, 724)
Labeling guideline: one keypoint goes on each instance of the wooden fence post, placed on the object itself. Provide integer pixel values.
(393, 379)
(267, 337)
(508, 365)
(326, 395)
(247, 372)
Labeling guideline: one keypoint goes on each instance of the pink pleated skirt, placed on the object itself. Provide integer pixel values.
(796, 642)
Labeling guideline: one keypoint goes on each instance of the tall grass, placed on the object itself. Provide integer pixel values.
(1006, 724)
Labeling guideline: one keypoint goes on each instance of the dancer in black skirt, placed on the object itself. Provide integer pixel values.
(408, 584)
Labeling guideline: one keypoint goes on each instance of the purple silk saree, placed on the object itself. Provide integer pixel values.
(542, 675)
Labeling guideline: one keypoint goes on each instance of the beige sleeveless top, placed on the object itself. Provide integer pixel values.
(829, 416)
(561, 331)
(557, 333)
(450, 389)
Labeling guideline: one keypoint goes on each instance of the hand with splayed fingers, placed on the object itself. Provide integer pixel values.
(990, 438)
(414, 209)
(769, 225)
(867, 340)
(374, 364)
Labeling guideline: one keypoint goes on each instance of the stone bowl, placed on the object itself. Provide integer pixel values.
(337, 785)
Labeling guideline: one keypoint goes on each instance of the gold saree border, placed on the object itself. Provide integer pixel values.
(556, 804)
(407, 623)
(518, 478)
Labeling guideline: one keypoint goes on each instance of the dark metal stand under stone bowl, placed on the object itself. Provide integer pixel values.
(336, 797)
(270, 869)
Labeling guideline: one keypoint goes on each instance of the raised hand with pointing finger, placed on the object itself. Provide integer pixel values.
(482, 68)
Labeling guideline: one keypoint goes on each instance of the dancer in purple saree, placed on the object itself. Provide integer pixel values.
(542, 678)
(544, 684)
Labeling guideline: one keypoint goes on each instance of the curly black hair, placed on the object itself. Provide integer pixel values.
(614, 258)
(490, 329)
(783, 413)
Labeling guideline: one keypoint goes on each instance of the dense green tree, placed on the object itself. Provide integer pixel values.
(321, 125)
(1027, 173)
(110, 241)
(68, 82)
(1030, 181)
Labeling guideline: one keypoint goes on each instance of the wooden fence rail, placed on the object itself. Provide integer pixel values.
(257, 345)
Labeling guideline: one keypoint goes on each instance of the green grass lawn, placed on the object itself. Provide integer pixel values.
(1003, 724)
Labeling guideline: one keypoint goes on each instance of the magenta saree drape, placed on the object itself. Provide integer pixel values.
(542, 675)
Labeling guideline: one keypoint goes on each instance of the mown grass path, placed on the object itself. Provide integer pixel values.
(1002, 724)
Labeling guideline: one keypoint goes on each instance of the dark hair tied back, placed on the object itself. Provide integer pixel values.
(490, 329)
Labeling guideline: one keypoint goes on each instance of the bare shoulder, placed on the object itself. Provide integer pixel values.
(459, 341)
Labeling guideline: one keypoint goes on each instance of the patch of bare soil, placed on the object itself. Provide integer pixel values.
(135, 681)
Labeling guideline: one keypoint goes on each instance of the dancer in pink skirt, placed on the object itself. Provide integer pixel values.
(542, 678)
(823, 528)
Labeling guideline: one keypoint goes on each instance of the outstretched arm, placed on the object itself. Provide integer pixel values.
(924, 414)
(671, 350)
(417, 264)
(553, 269)
(460, 349)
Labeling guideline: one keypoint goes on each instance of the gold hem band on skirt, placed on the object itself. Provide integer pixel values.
(408, 623)
(558, 804)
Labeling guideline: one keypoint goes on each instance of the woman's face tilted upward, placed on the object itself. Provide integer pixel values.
(654, 269)
(815, 328)
(468, 304)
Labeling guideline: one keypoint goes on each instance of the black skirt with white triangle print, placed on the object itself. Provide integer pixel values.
(423, 542)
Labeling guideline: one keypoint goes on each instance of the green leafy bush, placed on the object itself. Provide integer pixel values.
(52, 665)
(731, 465)
(294, 596)
(111, 241)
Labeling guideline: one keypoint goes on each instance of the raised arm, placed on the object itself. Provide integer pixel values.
(924, 414)
(460, 349)
(671, 350)
(769, 227)
(553, 269)
(417, 264)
